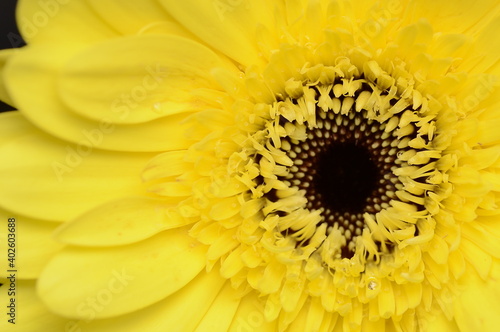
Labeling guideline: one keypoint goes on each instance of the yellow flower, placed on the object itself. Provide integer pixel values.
(265, 165)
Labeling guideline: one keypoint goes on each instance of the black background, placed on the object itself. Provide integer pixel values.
(9, 34)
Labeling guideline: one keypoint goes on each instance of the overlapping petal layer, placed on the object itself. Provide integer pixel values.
(140, 79)
(45, 178)
(123, 221)
(121, 279)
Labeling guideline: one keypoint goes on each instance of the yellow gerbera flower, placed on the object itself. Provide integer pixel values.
(265, 165)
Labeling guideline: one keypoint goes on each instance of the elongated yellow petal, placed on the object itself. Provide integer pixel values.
(107, 282)
(31, 78)
(250, 316)
(315, 316)
(299, 322)
(486, 48)
(58, 179)
(121, 222)
(475, 308)
(435, 322)
(13, 125)
(166, 165)
(138, 78)
(137, 17)
(376, 326)
(482, 238)
(232, 24)
(477, 257)
(41, 22)
(448, 18)
(488, 132)
(179, 312)
(221, 312)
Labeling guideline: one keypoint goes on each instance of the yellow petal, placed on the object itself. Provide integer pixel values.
(461, 17)
(137, 79)
(272, 277)
(232, 24)
(480, 260)
(448, 45)
(250, 316)
(386, 300)
(58, 179)
(172, 189)
(120, 222)
(438, 250)
(299, 323)
(457, 263)
(225, 209)
(437, 322)
(315, 316)
(291, 293)
(93, 283)
(287, 318)
(131, 17)
(41, 22)
(413, 293)
(375, 326)
(476, 308)
(481, 158)
(221, 312)
(31, 313)
(169, 314)
(480, 236)
(4, 56)
(33, 245)
(30, 77)
(13, 124)
(487, 48)
(165, 165)
(226, 242)
(487, 132)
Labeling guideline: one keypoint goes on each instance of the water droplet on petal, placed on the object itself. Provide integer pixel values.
(372, 284)
(157, 107)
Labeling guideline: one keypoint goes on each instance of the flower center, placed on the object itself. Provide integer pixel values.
(345, 167)
(348, 163)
